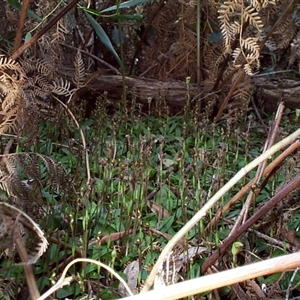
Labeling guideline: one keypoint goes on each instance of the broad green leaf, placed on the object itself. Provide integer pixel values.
(16, 4)
(124, 5)
(166, 224)
(103, 37)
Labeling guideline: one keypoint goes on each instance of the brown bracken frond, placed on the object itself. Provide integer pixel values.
(244, 25)
(17, 169)
(14, 223)
(79, 78)
(12, 78)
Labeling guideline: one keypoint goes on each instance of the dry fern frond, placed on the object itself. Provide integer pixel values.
(50, 51)
(283, 35)
(232, 15)
(17, 167)
(235, 18)
(45, 67)
(230, 72)
(213, 59)
(243, 91)
(248, 55)
(61, 87)
(229, 16)
(259, 4)
(216, 65)
(13, 222)
(79, 78)
(12, 77)
(41, 84)
(8, 288)
(285, 31)
(250, 15)
(61, 31)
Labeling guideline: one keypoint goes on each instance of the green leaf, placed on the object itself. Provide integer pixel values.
(128, 17)
(70, 290)
(236, 247)
(166, 224)
(124, 5)
(16, 4)
(90, 11)
(27, 37)
(103, 37)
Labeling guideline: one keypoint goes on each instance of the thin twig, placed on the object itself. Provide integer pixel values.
(21, 23)
(28, 270)
(284, 245)
(64, 281)
(39, 34)
(266, 128)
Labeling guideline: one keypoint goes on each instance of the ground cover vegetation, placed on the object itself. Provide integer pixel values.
(121, 122)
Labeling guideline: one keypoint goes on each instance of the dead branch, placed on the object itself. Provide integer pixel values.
(143, 90)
